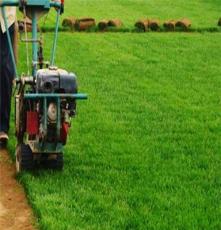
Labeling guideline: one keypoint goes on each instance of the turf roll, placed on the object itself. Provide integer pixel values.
(142, 24)
(69, 22)
(21, 25)
(170, 25)
(115, 23)
(84, 24)
(154, 24)
(184, 23)
(103, 24)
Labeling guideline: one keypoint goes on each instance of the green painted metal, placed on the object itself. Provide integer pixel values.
(79, 96)
(50, 148)
(34, 44)
(46, 4)
(16, 3)
(33, 7)
(46, 147)
(55, 38)
(9, 3)
(55, 4)
(43, 3)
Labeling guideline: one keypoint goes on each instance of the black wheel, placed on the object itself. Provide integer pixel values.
(55, 161)
(24, 158)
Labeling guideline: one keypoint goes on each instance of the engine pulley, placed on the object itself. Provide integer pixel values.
(52, 113)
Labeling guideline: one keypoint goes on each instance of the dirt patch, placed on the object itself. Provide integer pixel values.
(15, 214)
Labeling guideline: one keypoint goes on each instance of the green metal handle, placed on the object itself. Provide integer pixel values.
(55, 38)
(16, 3)
(78, 96)
(55, 4)
(9, 3)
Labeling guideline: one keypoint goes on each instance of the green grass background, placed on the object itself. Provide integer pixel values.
(145, 150)
(202, 13)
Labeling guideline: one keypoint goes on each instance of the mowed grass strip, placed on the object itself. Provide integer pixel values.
(202, 13)
(144, 151)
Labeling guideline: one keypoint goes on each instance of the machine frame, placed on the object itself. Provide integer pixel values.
(28, 150)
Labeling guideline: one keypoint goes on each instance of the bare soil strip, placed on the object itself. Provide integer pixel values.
(15, 213)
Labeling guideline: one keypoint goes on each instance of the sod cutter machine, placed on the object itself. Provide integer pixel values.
(45, 102)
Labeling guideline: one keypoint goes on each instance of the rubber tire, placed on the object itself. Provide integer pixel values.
(56, 164)
(24, 158)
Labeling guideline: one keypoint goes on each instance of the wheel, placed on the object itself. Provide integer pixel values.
(55, 161)
(24, 158)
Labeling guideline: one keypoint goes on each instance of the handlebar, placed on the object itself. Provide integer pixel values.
(17, 2)
(9, 3)
(56, 4)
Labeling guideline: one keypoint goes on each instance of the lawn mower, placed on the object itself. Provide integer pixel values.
(45, 100)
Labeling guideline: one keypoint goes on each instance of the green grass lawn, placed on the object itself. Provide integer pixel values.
(145, 149)
(202, 13)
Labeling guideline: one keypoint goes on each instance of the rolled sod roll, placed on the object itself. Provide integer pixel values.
(103, 24)
(170, 25)
(219, 22)
(84, 24)
(142, 24)
(69, 22)
(21, 25)
(115, 23)
(183, 23)
(154, 24)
